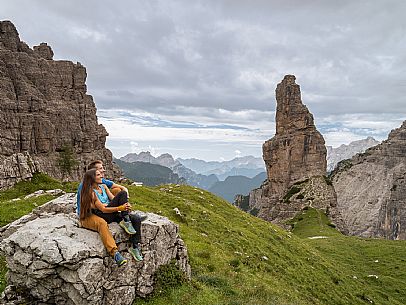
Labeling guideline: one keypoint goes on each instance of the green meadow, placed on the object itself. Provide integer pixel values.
(237, 258)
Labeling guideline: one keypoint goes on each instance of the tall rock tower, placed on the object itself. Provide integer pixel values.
(297, 150)
(295, 160)
(44, 109)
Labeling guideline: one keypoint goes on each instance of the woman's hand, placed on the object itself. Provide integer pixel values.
(125, 207)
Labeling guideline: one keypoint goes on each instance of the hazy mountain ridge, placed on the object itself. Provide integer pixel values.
(234, 185)
(148, 173)
(167, 160)
(221, 168)
(335, 155)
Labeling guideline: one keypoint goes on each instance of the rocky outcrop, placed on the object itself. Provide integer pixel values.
(335, 155)
(53, 261)
(371, 189)
(293, 156)
(44, 109)
(316, 192)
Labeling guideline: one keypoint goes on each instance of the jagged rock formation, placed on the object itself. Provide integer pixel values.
(295, 155)
(53, 261)
(335, 155)
(297, 150)
(44, 108)
(295, 160)
(371, 189)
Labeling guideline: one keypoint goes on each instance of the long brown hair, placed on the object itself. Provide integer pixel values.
(86, 194)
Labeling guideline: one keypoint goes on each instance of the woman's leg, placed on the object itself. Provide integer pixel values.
(95, 223)
(108, 217)
(118, 200)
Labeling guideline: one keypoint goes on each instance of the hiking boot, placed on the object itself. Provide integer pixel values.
(127, 226)
(119, 259)
(139, 217)
(136, 253)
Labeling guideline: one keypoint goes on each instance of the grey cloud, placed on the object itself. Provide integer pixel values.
(348, 56)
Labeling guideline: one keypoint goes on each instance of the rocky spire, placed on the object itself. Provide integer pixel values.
(295, 160)
(291, 114)
(297, 150)
(9, 38)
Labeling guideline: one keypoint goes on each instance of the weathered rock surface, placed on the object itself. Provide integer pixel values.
(335, 155)
(295, 154)
(316, 192)
(371, 189)
(44, 106)
(53, 261)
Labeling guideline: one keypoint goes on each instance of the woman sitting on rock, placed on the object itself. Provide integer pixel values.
(99, 207)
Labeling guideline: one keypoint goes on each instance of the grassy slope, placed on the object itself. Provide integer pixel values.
(239, 259)
(227, 246)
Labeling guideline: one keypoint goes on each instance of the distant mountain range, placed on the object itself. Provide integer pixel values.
(205, 174)
(234, 185)
(335, 155)
(226, 178)
(149, 174)
(191, 177)
(248, 166)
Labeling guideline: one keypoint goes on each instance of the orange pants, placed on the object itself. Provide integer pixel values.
(98, 224)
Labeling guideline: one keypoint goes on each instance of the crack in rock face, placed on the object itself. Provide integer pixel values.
(52, 260)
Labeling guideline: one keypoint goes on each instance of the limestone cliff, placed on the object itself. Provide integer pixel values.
(371, 189)
(44, 108)
(295, 156)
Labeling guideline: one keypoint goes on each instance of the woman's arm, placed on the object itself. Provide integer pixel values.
(111, 196)
(101, 207)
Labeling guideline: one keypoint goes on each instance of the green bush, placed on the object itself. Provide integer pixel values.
(254, 212)
(3, 271)
(328, 180)
(168, 277)
(67, 160)
(293, 190)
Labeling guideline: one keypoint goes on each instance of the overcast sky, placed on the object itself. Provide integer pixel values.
(197, 78)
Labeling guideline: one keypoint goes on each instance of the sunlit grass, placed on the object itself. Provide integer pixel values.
(237, 258)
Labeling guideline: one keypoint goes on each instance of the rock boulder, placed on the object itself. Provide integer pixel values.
(52, 260)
